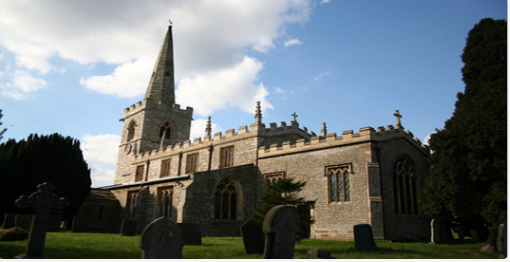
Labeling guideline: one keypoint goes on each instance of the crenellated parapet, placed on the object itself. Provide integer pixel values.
(146, 104)
(365, 134)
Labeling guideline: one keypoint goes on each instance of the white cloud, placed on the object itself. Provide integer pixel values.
(292, 41)
(325, 1)
(208, 36)
(100, 152)
(321, 75)
(19, 84)
(198, 128)
(231, 87)
(426, 140)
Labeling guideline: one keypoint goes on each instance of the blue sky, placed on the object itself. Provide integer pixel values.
(71, 67)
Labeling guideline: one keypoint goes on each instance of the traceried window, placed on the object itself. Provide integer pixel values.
(225, 200)
(227, 156)
(272, 178)
(191, 163)
(165, 130)
(139, 173)
(164, 201)
(339, 183)
(131, 131)
(132, 198)
(165, 168)
(405, 179)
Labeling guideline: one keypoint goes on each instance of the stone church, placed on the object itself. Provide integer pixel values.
(372, 176)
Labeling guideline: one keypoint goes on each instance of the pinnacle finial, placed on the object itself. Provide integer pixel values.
(324, 130)
(258, 114)
(208, 129)
(398, 116)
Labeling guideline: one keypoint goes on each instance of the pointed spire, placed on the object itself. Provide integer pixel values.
(258, 114)
(208, 129)
(161, 89)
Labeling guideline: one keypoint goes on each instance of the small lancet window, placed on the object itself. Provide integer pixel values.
(165, 130)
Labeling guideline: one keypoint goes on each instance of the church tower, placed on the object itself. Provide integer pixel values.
(156, 121)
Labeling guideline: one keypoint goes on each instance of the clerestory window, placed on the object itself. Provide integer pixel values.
(339, 183)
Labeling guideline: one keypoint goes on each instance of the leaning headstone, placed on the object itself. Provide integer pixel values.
(161, 239)
(435, 234)
(8, 220)
(191, 233)
(318, 254)
(364, 238)
(43, 201)
(23, 220)
(502, 240)
(128, 227)
(281, 225)
(253, 238)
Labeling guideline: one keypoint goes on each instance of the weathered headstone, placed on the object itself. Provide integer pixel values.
(318, 254)
(364, 238)
(8, 220)
(281, 225)
(191, 233)
(128, 227)
(474, 235)
(161, 239)
(253, 238)
(23, 220)
(501, 243)
(44, 200)
(435, 233)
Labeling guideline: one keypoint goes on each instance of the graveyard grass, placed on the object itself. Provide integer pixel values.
(66, 244)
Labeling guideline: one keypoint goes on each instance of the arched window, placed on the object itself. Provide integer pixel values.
(131, 131)
(225, 200)
(164, 130)
(405, 182)
(165, 199)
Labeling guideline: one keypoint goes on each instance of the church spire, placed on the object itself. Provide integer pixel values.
(161, 89)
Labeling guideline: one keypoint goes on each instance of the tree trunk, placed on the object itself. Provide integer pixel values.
(490, 243)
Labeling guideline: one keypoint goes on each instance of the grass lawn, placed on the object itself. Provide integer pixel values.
(95, 245)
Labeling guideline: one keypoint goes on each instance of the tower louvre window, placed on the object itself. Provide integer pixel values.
(131, 131)
(165, 130)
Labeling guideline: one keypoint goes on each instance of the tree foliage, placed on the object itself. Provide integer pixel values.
(284, 192)
(56, 159)
(468, 166)
(2, 132)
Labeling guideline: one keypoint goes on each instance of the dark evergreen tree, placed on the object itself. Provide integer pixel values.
(2, 132)
(55, 159)
(468, 167)
(285, 192)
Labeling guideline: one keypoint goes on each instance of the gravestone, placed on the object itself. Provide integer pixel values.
(281, 224)
(23, 220)
(435, 233)
(364, 238)
(191, 233)
(8, 220)
(43, 201)
(128, 227)
(318, 254)
(161, 239)
(474, 235)
(253, 238)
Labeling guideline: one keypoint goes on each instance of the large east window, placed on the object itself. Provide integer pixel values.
(405, 179)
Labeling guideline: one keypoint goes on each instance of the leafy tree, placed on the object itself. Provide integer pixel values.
(468, 168)
(284, 192)
(2, 132)
(55, 159)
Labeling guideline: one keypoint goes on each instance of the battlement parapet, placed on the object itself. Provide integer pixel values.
(365, 134)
